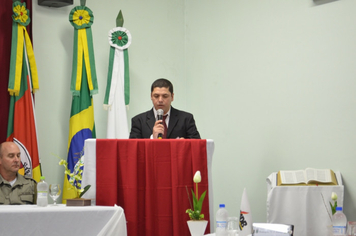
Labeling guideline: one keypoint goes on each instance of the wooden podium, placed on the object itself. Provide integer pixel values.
(148, 179)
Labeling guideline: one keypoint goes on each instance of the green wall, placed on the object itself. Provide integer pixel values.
(271, 82)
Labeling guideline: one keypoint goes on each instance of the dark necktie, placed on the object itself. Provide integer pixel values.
(165, 127)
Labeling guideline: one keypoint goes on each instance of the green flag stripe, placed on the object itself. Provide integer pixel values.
(10, 123)
(127, 77)
(74, 63)
(13, 55)
(108, 84)
(83, 101)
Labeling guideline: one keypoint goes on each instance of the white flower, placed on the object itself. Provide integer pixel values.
(197, 177)
(334, 196)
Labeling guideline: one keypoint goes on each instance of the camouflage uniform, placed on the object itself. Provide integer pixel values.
(24, 191)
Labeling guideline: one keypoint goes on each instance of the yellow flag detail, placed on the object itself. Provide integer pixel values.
(23, 40)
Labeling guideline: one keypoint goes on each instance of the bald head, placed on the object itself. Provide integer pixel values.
(5, 147)
(10, 160)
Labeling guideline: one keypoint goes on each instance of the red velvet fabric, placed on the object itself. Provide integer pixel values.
(5, 51)
(148, 179)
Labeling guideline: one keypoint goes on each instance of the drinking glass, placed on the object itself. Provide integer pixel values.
(232, 226)
(54, 192)
(351, 228)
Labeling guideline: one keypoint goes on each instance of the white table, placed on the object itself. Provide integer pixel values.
(61, 220)
(302, 206)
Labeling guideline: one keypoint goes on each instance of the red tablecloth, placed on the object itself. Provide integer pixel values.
(148, 179)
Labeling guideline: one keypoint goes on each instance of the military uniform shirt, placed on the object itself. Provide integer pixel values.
(22, 192)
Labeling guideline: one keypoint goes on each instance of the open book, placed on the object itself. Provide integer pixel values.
(309, 176)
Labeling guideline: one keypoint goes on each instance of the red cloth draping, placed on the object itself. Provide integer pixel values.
(148, 179)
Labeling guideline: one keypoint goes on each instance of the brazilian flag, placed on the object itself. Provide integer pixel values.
(83, 86)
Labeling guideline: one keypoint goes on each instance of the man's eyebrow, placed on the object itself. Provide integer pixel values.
(158, 94)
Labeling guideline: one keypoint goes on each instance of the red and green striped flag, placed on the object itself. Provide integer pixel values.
(23, 81)
(83, 86)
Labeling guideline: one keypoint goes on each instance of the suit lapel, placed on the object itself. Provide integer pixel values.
(172, 121)
(150, 120)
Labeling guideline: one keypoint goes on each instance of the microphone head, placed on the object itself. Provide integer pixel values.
(160, 112)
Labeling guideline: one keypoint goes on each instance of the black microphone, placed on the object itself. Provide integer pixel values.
(160, 117)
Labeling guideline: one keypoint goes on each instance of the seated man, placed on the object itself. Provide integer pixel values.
(15, 189)
(179, 124)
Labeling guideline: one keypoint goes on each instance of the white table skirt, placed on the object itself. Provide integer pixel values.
(89, 174)
(61, 220)
(302, 206)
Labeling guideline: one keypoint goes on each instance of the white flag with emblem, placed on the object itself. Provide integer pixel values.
(245, 216)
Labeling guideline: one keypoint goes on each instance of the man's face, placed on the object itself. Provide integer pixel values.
(11, 158)
(162, 98)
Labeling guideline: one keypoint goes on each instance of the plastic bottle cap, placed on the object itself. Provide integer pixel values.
(42, 178)
(339, 208)
(222, 205)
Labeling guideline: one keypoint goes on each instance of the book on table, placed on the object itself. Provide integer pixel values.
(271, 229)
(309, 176)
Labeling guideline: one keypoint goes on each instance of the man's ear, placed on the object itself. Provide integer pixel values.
(172, 97)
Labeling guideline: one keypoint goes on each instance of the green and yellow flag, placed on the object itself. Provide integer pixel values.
(23, 82)
(83, 86)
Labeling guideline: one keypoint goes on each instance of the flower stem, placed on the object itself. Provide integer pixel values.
(196, 194)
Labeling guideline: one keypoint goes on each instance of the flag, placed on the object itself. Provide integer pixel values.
(117, 94)
(23, 82)
(83, 86)
(245, 216)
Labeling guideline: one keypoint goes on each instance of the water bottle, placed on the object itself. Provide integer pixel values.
(221, 221)
(42, 192)
(339, 222)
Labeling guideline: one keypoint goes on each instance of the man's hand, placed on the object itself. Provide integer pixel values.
(158, 128)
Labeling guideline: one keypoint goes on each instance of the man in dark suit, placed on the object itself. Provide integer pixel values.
(179, 124)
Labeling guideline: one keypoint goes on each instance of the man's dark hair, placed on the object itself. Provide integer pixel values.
(162, 83)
